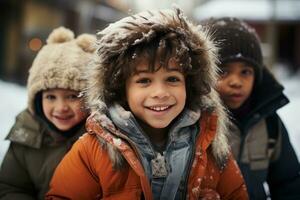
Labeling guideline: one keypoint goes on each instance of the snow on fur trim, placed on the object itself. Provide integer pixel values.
(114, 40)
(130, 31)
(60, 63)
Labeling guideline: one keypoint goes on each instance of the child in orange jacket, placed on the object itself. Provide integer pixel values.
(157, 129)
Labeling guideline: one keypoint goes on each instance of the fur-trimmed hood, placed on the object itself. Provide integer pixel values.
(114, 40)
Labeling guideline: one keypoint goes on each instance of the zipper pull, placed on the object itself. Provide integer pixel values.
(159, 166)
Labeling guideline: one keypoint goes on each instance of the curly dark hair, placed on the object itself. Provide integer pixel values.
(160, 48)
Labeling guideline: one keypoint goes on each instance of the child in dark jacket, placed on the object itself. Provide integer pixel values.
(259, 140)
(54, 119)
(157, 126)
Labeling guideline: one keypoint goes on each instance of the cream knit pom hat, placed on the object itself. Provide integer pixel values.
(60, 63)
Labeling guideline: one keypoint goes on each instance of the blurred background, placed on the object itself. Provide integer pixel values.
(25, 25)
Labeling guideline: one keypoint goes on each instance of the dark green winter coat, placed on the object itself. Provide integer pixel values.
(261, 145)
(33, 154)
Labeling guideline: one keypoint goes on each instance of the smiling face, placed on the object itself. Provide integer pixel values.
(63, 108)
(236, 83)
(156, 98)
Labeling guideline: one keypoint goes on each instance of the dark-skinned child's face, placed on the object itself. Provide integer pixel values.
(235, 83)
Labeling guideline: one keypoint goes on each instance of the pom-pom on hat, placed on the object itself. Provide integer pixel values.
(60, 63)
(237, 41)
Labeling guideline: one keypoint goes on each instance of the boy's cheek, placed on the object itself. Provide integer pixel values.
(219, 87)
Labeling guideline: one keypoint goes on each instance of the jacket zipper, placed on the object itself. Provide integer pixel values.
(191, 159)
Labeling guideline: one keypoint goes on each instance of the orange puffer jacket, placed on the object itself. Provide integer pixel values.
(87, 171)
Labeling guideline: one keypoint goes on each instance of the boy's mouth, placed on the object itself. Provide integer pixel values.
(236, 97)
(63, 117)
(159, 108)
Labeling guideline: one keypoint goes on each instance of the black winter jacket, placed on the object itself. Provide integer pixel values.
(261, 145)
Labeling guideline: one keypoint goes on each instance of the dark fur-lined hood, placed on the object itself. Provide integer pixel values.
(118, 37)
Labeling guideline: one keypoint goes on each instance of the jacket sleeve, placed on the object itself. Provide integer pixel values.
(75, 177)
(284, 172)
(231, 184)
(15, 182)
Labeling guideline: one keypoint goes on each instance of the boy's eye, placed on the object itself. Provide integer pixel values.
(248, 71)
(223, 72)
(50, 97)
(72, 96)
(143, 81)
(173, 79)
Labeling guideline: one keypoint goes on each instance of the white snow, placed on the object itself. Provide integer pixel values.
(290, 114)
(13, 99)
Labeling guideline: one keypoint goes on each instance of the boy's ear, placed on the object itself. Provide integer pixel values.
(124, 102)
(38, 104)
(125, 105)
(258, 73)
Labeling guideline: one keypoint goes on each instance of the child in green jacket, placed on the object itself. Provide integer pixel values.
(54, 119)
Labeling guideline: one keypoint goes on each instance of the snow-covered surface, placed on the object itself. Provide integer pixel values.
(13, 99)
(250, 10)
(290, 114)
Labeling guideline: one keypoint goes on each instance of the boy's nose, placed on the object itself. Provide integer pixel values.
(235, 81)
(160, 91)
(62, 106)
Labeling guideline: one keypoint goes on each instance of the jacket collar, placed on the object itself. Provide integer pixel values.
(126, 121)
(270, 91)
(30, 131)
(110, 137)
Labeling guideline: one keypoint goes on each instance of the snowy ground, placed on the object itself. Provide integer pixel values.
(290, 114)
(13, 100)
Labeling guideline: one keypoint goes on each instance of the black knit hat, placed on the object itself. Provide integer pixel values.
(237, 41)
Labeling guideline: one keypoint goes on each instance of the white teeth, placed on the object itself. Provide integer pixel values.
(159, 108)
